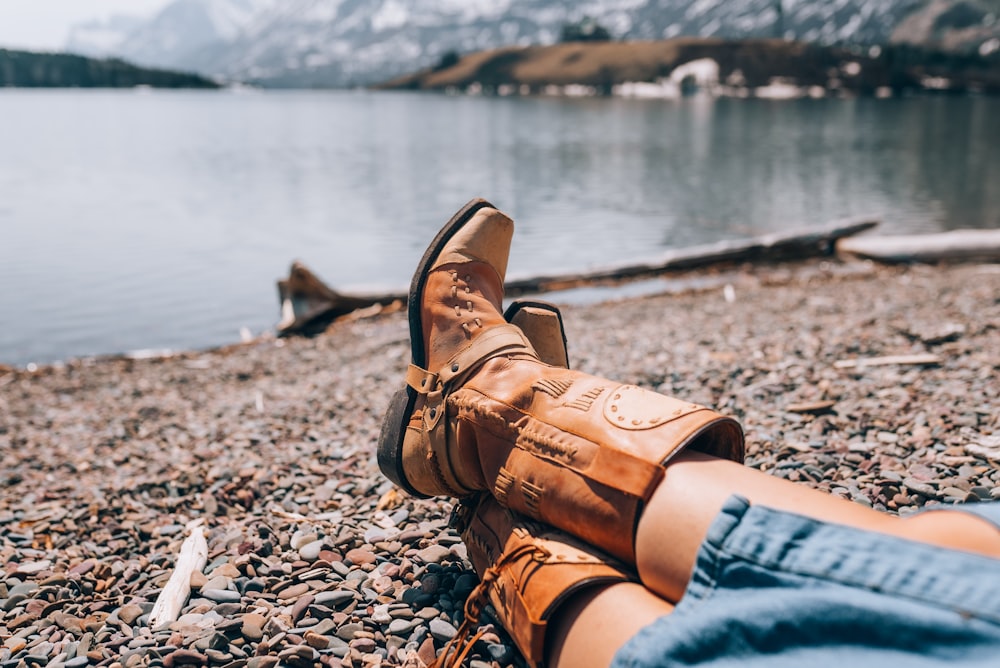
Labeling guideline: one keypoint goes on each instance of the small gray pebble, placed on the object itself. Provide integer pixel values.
(221, 595)
(442, 630)
(310, 551)
(402, 626)
(347, 631)
(335, 597)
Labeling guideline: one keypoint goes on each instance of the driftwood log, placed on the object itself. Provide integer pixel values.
(777, 247)
(860, 363)
(308, 305)
(954, 246)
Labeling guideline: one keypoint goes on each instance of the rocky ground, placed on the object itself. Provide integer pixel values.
(315, 559)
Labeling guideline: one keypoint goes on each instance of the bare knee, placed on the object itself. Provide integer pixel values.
(954, 530)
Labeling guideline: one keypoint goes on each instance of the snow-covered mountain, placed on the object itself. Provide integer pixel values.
(182, 27)
(101, 38)
(344, 42)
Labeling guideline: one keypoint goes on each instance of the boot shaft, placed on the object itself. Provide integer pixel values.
(527, 570)
(573, 450)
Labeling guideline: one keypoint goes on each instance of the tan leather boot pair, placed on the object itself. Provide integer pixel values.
(485, 409)
(481, 411)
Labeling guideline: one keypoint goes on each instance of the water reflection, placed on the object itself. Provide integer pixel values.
(162, 220)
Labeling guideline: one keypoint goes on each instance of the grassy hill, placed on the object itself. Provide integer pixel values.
(743, 64)
(60, 70)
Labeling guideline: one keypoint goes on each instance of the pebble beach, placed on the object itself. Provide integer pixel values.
(877, 384)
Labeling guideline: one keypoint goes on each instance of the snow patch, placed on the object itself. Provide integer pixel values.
(578, 90)
(703, 73)
(619, 23)
(701, 7)
(710, 28)
(392, 14)
(672, 30)
(780, 89)
(852, 26)
(663, 89)
(936, 83)
(322, 12)
(471, 10)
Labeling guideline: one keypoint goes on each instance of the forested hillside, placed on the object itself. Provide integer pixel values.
(55, 70)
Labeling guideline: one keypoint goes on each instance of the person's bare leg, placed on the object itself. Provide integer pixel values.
(956, 530)
(677, 517)
(591, 626)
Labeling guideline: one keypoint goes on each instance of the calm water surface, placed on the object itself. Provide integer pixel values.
(162, 220)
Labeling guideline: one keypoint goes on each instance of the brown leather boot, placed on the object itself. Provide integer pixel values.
(527, 570)
(482, 412)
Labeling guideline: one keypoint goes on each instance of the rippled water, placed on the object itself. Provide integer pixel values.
(161, 220)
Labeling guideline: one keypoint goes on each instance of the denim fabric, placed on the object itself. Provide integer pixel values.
(773, 589)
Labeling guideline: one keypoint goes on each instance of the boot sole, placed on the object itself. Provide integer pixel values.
(390, 441)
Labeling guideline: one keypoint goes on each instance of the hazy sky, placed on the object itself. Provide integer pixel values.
(44, 24)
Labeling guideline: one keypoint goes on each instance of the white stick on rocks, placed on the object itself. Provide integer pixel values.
(922, 359)
(192, 557)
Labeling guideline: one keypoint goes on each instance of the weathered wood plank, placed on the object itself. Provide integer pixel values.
(793, 245)
(861, 363)
(308, 305)
(954, 246)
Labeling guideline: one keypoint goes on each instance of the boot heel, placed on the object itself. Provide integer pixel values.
(390, 439)
(542, 325)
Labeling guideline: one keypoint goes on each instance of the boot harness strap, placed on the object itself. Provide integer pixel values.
(435, 386)
(499, 340)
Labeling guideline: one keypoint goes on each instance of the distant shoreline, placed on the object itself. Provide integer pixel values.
(749, 68)
(766, 68)
(28, 69)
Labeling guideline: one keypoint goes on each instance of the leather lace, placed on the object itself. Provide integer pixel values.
(459, 647)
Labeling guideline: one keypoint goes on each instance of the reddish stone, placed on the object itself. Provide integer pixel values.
(360, 556)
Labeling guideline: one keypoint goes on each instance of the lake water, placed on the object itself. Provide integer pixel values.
(134, 220)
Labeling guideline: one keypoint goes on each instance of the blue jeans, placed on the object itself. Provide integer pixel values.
(772, 589)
